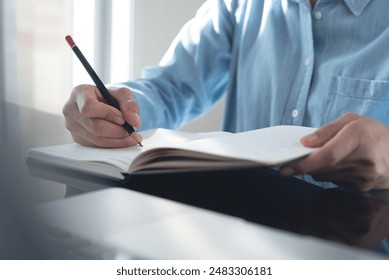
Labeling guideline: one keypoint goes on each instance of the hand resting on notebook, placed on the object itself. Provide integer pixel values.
(354, 152)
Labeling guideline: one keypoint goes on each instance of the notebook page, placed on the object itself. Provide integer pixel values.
(269, 146)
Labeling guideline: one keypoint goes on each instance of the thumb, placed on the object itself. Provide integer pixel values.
(328, 131)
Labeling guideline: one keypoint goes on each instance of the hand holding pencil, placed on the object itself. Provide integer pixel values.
(99, 117)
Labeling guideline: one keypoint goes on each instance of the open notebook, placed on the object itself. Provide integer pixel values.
(167, 150)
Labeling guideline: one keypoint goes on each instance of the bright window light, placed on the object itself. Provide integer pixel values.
(83, 35)
(121, 67)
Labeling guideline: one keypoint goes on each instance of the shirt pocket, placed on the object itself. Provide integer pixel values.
(364, 97)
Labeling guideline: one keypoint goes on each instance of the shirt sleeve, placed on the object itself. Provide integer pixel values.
(193, 74)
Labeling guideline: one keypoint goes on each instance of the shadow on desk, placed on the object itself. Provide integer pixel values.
(258, 195)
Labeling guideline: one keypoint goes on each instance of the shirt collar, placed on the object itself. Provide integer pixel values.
(355, 6)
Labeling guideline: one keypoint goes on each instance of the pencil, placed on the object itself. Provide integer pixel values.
(99, 84)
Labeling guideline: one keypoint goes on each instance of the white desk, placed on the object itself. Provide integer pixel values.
(119, 223)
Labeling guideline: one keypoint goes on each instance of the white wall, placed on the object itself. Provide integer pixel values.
(156, 23)
(37, 60)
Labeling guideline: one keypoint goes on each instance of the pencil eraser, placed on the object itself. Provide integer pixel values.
(70, 41)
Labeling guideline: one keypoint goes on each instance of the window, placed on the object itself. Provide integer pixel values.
(118, 37)
(102, 30)
(45, 69)
(43, 65)
(7, 49)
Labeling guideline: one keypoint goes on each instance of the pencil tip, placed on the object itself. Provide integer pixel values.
(140, 144)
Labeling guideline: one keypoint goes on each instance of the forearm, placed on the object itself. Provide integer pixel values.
(193, 74)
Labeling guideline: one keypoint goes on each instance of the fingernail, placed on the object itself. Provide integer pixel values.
(287, 171)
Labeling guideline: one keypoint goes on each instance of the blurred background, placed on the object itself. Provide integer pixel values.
(118, 37)
(38, 71)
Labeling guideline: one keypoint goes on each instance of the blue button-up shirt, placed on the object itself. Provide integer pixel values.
(278, 62)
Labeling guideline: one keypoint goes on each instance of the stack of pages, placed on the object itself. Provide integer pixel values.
(167, 150)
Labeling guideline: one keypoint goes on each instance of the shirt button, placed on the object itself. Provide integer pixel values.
(307, 61)
(295, 113)
(317, 15)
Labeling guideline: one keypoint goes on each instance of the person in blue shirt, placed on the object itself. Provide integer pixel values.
(319, 63)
